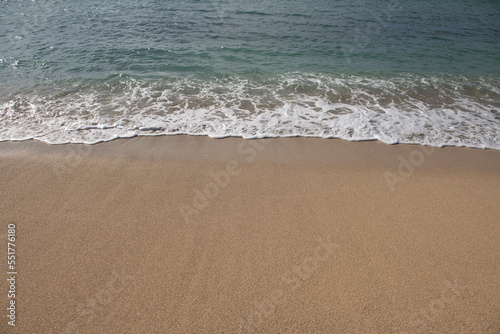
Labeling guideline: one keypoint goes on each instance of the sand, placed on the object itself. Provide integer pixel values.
(185, 234)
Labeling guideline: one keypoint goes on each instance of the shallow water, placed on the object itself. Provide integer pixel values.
(397, 71)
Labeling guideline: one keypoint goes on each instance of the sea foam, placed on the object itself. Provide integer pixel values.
(431, 110)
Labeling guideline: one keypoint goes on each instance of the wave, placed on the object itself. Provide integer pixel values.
(431, 110)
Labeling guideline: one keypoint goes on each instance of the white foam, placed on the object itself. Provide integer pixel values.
(434, 111)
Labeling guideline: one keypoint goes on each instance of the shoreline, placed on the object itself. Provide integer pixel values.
(193, 234)
(139, 136)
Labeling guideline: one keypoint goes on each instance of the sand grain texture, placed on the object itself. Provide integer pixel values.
(302, 235)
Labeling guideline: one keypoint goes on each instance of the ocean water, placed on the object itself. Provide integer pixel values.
(398, 71)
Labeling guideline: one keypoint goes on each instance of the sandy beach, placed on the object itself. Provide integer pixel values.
(187, 234)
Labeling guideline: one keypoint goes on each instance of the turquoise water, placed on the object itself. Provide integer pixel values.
(397, 71)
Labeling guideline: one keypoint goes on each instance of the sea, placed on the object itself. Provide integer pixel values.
(399, 71)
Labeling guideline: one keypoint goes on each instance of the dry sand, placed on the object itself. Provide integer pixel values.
(186, 234)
